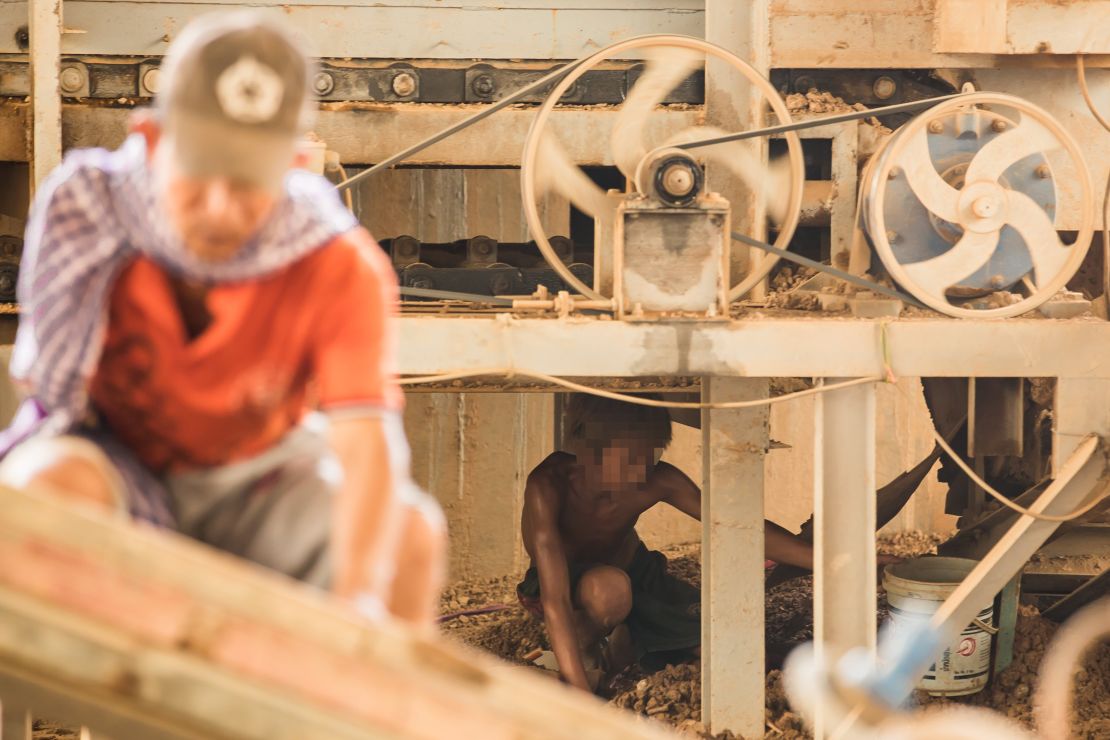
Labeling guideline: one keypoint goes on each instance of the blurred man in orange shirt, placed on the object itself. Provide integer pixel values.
(187, 299)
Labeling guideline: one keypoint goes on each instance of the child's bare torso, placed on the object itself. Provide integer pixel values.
(597, 527)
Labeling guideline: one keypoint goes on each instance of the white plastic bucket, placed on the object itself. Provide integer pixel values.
(915, 589)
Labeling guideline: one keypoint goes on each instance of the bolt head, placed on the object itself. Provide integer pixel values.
(323, 83)
(884, 88)
(71, 80)
(483, 86)
(997, 281)
(1043, 172)
(936, 127)
(893, 174)
(403, 84)
(998, 126)
(150, 80)
(892, 236)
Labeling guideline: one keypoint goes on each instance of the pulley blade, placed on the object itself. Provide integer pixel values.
(935, 194)
(999, 154)
(555, 171)
(1048, 253)
(970, 253)
(666, 68)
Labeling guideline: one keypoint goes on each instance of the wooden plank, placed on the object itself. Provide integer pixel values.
(375, 131)
(123, 613)
(734, 445)
(970, 26)
(1054, 27)
(401, 30)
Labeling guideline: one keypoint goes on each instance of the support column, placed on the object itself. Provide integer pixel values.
(45, 29)
(734, 443)
(1082, 408)
(844, 518)
(731, 102)
(15, 721)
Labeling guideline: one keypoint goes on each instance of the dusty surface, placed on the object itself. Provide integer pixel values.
(673, 694)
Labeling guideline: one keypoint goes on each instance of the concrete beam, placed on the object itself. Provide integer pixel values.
(758, 347)
(734, 444)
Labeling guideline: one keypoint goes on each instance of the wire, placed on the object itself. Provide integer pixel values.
(347, 196)
(859, 282)
(818, 122)
(1081, 73)
(631, 398)
(1007, 502)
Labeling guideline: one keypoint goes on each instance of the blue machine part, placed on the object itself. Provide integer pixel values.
(918, 235)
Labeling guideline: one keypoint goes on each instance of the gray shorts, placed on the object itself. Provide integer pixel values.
(274, 508)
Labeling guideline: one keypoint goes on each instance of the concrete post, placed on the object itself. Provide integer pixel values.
(732, 103)
(844, 517)
(45, 30)
(734, 444)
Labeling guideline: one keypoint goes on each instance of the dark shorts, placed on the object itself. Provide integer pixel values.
(666, 611)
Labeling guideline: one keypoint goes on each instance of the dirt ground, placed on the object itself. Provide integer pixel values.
(673, 694)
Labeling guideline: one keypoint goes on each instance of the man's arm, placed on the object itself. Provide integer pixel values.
(540, 522)
(779, 544)
(366, 514)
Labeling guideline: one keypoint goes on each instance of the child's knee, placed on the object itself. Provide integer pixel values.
(605, 593)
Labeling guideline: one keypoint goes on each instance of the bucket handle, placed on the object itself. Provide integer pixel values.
(984, 626)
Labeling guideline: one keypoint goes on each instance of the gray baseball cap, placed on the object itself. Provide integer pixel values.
(234, 97)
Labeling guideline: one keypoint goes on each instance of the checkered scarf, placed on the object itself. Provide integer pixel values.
(92, 216)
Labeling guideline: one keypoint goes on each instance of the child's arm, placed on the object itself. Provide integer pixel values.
(780, 545)
(541, 528)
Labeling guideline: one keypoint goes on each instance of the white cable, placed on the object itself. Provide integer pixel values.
(1007, 502)
(632, 398)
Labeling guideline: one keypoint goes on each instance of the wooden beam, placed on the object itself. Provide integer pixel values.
(153, 627)
(970, 26)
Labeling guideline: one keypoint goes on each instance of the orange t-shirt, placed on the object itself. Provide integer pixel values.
(316, 332)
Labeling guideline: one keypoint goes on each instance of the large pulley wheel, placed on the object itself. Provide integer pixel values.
(544, 161)
(960, 203)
